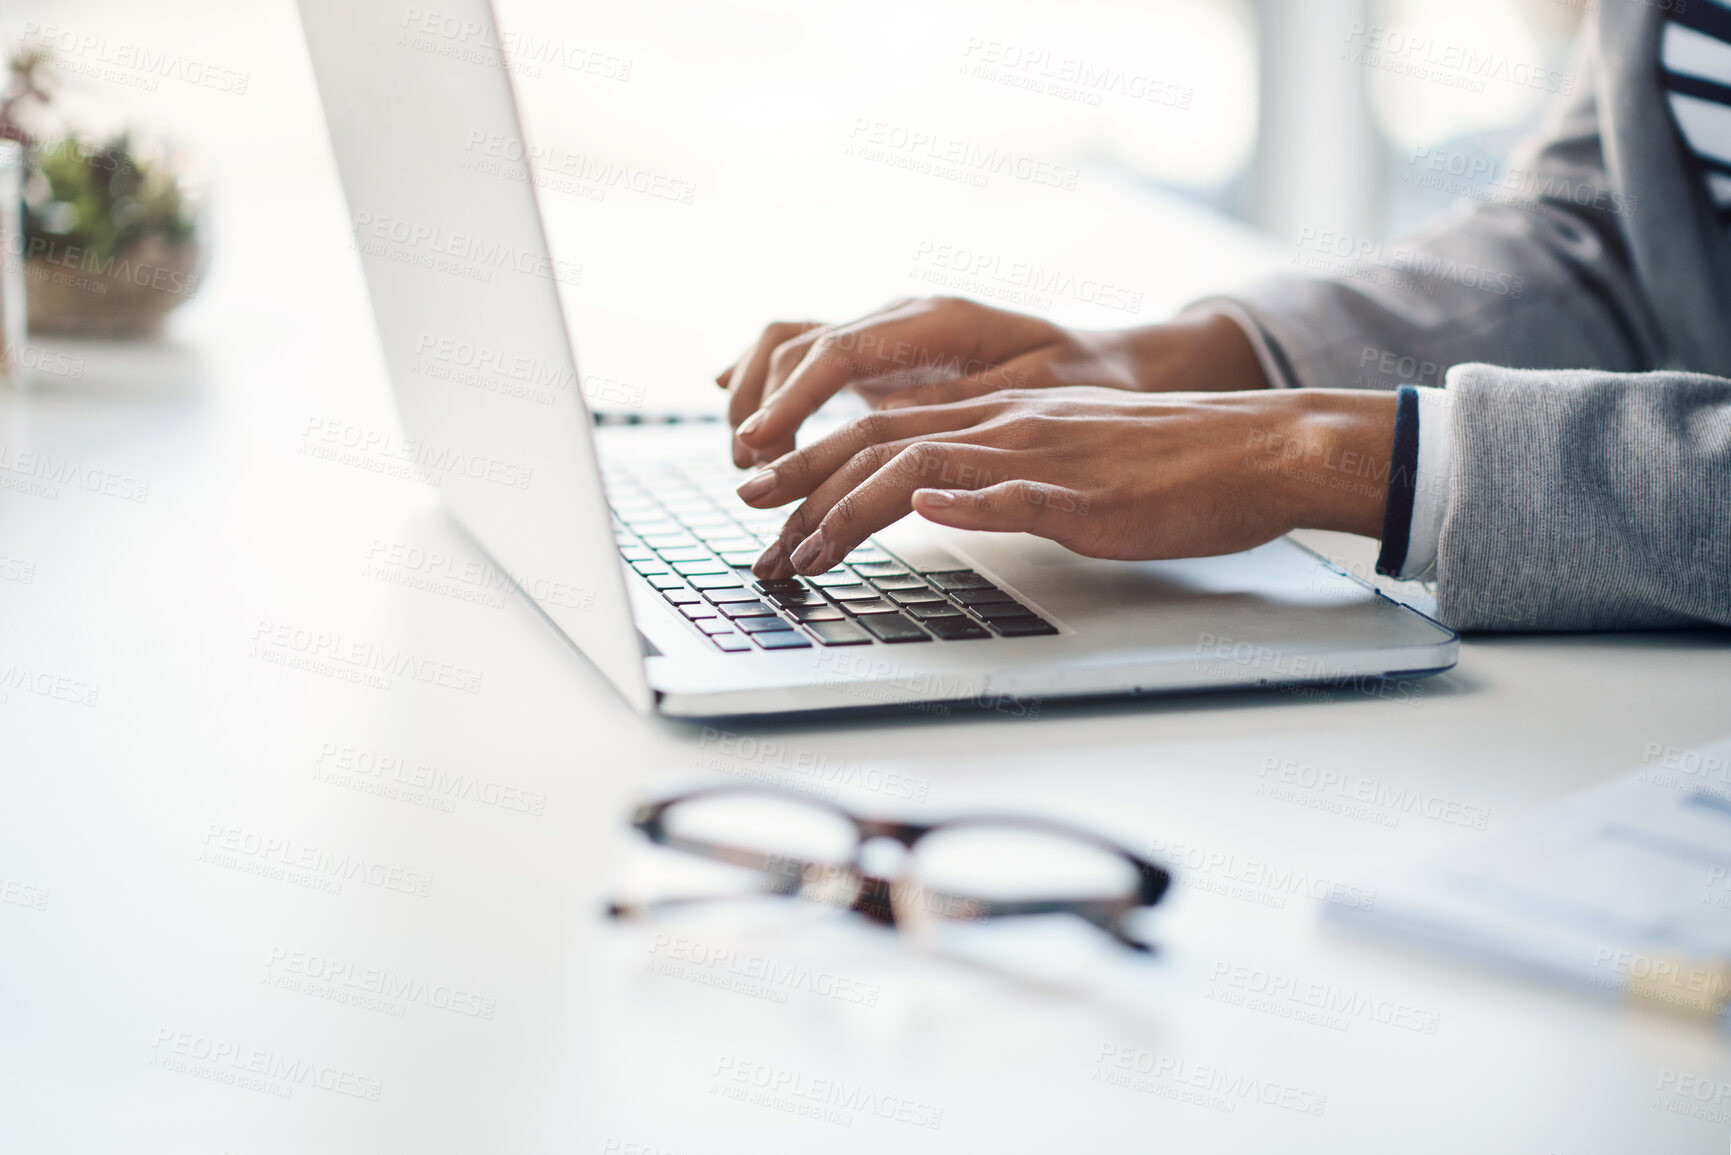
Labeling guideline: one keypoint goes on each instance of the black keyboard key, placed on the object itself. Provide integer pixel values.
(866, 609)
(936, 610)
(747, 610)
(1023, 627)
(1001, 611)
(905, 582)
(960, 579)
(732, 643)
(919, 597)
(714, 581)
(838, 634)
(853, 593)
(880, 569)
(893, 628)
(823, 613)
(782, 641)
(957, 629)
(730, 594)
(761, 625)
(981, 597)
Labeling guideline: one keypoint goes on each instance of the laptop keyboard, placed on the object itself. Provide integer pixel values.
(682, 528)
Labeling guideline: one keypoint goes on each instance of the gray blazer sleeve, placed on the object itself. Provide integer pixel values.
(1583, 500)
(1585, 493)
(1541, 281)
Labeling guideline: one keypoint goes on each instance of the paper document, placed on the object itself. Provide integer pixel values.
(1625, 888)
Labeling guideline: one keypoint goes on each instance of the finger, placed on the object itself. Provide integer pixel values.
(1008, 507)
(745, 379)
(798, 473)
(844, 511)
(919, 333)
(939, 393)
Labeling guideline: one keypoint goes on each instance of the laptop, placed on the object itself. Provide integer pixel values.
(628, 537)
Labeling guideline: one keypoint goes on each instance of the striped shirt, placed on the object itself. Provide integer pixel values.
(1695, 64)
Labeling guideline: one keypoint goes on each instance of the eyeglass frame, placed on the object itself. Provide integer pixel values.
(874, 898)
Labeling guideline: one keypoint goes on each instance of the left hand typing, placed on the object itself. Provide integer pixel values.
(1103, 472)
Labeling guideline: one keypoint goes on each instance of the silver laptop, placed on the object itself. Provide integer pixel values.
(629, 538)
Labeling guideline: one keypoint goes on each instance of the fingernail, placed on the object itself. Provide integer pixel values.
(756, 485)
(770, 561)
(751, 424)
(809, 553)
(721, 378)
(937, 498)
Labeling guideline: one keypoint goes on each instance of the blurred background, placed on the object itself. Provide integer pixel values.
(695, 144)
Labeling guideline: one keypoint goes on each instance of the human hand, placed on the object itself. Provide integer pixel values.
(1101, 472)
(943, 349)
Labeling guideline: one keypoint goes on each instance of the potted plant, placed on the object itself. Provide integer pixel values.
(110, 238)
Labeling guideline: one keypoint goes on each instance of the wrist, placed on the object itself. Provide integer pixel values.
(1338, 445)
(1199, 352)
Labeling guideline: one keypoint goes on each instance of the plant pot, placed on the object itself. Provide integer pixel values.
(68, 291)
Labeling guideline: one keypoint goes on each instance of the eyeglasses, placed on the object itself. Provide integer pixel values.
(966, 872)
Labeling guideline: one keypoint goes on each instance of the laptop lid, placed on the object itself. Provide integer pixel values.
(465, 298)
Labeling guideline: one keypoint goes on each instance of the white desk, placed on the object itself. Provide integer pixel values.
(159, 974)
